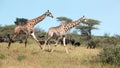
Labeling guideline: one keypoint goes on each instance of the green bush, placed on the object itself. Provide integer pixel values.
(21, 57)
(110, 55)
(2, 56)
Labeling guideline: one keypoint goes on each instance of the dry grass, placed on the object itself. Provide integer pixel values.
(33, 57)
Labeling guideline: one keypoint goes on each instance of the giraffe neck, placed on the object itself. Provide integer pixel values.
(34, 21)
(71, 25)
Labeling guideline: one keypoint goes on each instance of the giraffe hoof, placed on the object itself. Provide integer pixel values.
(67, 53)
(7, 47)
(51, 51)
(42, 49)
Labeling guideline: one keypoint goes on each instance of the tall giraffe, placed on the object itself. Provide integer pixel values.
(61, 31)
(28, 28)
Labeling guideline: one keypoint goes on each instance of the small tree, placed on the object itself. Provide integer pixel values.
(86, 27)
(20, 21)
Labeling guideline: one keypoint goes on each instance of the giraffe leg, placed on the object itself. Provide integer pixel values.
(65, 45)
(46, 41)
(55, 44)
(34, 37)
(11, 39)
(26, 40)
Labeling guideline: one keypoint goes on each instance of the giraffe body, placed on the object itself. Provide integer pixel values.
(61, 31)
(58, 31)
(28, 28)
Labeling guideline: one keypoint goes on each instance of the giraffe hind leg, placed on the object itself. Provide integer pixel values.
(27, 35)
(11, 39)
(46, 42)
(49, 36)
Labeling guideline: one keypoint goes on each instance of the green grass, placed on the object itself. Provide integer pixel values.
(21, 57)
(2, 56)
(33, 57)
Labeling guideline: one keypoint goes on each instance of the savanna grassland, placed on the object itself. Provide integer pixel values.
(33, 57)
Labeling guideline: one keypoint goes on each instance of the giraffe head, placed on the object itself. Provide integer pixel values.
(48, 13)
(83, 19)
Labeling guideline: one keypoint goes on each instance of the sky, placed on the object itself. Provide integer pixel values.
(106, 11)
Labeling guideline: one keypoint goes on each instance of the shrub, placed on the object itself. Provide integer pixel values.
(2, 56)
(110, 55)
(21, 57)
(93, 43)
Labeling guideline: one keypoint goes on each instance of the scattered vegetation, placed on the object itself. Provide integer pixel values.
(34, 57)
(2, 56)
(107, 50)
(110, 55)
(21, 57)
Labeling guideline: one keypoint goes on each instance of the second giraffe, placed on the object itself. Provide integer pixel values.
(61, 31)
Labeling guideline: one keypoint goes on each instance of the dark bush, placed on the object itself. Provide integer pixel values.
(110, 55)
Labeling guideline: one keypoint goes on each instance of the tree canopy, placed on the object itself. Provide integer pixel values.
(20, 21)
(86, 27)
(64, 19)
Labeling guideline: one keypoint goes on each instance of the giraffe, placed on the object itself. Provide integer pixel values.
(61, 31)
(28, 28)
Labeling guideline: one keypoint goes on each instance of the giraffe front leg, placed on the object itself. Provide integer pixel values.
(65, 45)
(34, 37)
(56, 44)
